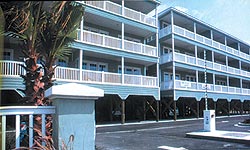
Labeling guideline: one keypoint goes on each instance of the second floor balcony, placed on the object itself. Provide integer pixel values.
(116, 43)
(183, 58)
(13, 69)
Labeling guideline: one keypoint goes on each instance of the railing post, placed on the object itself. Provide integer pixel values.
(3, 132)
(103, 77)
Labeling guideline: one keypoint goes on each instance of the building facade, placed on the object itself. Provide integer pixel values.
(201, 65)
(111, 52)
(149, 67)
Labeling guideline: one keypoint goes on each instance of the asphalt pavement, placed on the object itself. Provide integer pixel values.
(168, 135)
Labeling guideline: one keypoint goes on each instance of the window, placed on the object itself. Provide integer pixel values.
(190, 78)
(164, 24)
(167, 50)
(95, 66)
(102, 67)
(92, 66)
(169, 76)
(62, 63)
(130, 70)
(8, 54)
(221, 82)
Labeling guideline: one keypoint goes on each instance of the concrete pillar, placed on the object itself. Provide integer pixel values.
(74, 120)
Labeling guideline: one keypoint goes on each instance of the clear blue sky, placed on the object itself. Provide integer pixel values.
(231, 16)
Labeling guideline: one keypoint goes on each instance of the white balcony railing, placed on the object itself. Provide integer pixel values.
(73, 74)
(194, 86)
(204, 40)
(21, 111)
(11, 68)
(183, 58)
(116, 43)
(117, 9)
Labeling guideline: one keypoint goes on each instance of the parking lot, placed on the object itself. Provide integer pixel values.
(166, 135)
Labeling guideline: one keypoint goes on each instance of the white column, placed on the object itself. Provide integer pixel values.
(145, 71)
(122, 7)
(227, 84)
(157, 48)
(241, 85)
(197, 79)
(122, 36)
(225, 40)
(240, 64)
(211, 32)
(196, 54)
(227, 62)
(157, 31)
(81, 51)
(195, 30)
(122, 70)
(213, 58)
(80, 63)
(239, 46)
(172, 22)
(214, 81)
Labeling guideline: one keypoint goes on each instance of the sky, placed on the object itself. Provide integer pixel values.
(230, 16)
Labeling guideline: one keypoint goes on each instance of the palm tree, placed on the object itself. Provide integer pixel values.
(45, 29)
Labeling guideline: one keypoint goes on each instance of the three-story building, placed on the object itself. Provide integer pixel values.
(111, 52)
(199, 61)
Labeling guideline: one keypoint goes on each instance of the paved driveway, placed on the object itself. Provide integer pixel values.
(166, 135)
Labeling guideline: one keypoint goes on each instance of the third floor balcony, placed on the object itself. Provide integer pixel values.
(116, 43)
(201, 39)
(118, 10)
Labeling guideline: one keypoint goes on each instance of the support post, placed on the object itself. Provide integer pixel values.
(175, 115)
(157, 111)
(74, 120)
(198, 109)
(123, 112)
(228, 108)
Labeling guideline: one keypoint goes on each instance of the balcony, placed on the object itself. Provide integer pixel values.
(116, 43)
(194, 86)
(117, 9)
(202, 39)
(13, 69)
(182, 58)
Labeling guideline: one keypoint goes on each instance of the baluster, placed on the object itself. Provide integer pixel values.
(43, 128)
(17, 131)
(30, 130)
